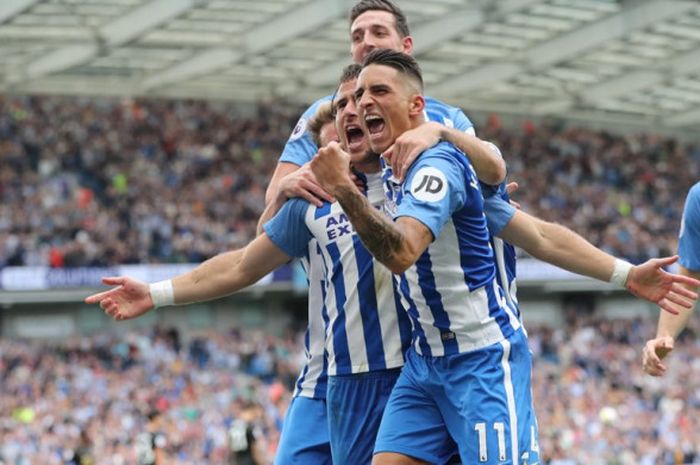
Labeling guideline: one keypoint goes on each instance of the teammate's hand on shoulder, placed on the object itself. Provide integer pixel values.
(130, 298)
(655, 350)
(302, 183)
(409, 145)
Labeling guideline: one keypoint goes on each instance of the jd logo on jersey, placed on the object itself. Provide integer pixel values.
(429, 184)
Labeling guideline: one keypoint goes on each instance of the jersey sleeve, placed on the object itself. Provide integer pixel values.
(434, 188)
(689, 241)
(463, 123)
(288, 229)
(498, 213)
(300, 148)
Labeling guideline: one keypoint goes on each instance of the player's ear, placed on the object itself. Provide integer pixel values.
(416, 104)
(407, 43)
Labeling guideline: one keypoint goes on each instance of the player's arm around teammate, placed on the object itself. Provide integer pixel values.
(560, 246)
(488, 163)
(219, 276)
(670, 326)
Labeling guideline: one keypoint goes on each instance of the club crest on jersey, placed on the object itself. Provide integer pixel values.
(299, 130)
(429, 185)
(338, 226)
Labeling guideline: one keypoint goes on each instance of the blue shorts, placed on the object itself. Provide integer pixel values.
(481, 400)
(355, 407)
(304, 437)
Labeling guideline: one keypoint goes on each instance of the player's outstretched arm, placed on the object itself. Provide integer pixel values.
(396, 245)
(219, 276)
(488, 163)
(564, 248)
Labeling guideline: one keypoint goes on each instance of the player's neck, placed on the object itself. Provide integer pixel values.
(370, 165)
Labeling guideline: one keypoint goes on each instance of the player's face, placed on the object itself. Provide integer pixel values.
(376, 29)
(352, 136)
(328, 134)
(384, 105)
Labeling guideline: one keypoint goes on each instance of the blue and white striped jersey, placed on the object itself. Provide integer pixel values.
(313, 379)
(451, 293)
(689, 240)
(499, 212)
(300, 148)
(366, 328)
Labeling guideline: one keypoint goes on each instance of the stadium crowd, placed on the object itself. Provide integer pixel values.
(89, 397)
(87, 182)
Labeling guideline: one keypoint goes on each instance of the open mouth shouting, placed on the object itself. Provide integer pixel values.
(375, 125)
(355, 137)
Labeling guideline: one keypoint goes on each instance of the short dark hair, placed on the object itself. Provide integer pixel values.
(382, 5)
(404, 64)
(350, 72)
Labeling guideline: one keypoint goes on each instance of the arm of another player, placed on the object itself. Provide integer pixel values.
(560, 246)
(396, 245)
(217, 277)
(487, 162)
(670, 326)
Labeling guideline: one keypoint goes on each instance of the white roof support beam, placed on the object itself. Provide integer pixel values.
(202, 63)
(688, 118)
(262, 38)
(632, 82)
(142, 19)
(11, 8)
(431, 35)
(114, 33)
(568, 45)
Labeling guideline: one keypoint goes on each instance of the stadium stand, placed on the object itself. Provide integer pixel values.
(90, 396)
(90, 182)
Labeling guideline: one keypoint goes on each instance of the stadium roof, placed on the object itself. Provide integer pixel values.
(630, 62)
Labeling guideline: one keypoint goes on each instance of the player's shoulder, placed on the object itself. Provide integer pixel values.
(694, 193)
(300, 129)
(445, 151)
(313, 108)
(433, 103)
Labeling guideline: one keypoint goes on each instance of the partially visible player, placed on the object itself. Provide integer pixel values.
(373, 24)
(305, 437)
(670, 326)
(244, 437)
(151, 444)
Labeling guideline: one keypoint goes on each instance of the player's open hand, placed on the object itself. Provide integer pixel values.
(655, 351)
(331, 166)
(669, 291)
(409, 145)
(130, 299)
(302, 183)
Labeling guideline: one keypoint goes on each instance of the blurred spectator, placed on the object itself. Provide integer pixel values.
(113, 400)
(96, 182)
(88, 399)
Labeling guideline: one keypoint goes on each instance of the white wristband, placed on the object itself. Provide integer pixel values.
(162, 293)
(620, 272)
